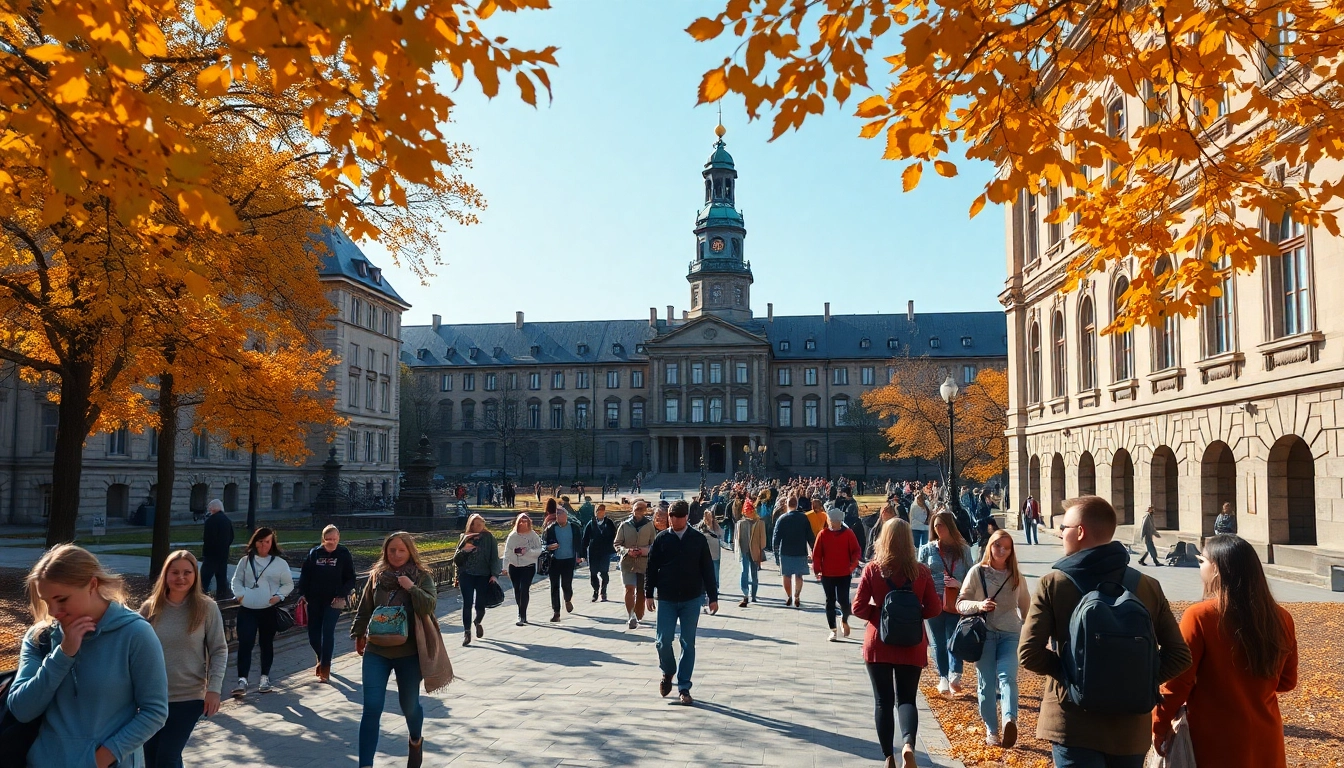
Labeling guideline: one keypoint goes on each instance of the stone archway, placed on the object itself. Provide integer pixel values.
(1057, 492)
(118, 501)
(1122, 486)
(200, 496)
(1217, 483)
(1292, 492)
(1087, 475)
(1165, 494)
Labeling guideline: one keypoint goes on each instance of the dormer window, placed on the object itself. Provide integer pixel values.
(535, 350)
(583, 348)
(421, 354)
(640, 349)
(497, 352)
(784, 345)
(617, 349)
(965, 341)
(473, 352)
(892, 343)
(934, 342)
(810, 344)
(376, 275)
(448, 355)
(865, 343)
(362, 268)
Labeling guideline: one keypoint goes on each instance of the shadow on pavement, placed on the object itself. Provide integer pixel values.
(565, 657)
(804, 733)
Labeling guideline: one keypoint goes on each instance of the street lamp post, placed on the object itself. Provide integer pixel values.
(702, 473)
(949, 392)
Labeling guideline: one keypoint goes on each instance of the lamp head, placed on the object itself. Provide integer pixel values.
(949, 390)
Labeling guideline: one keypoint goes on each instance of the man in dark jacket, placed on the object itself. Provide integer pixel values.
(599, 542)
(793, 540)
(215, 543)
(680, 577)
(1083, 738)
(964, 524)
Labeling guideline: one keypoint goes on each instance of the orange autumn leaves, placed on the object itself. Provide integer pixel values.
(1223, 96)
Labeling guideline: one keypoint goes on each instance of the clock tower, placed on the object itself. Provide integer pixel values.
(720, 276)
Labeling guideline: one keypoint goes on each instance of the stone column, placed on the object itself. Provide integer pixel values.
(681, 454)
(657, 453)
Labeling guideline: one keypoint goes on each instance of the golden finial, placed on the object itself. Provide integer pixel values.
(720, 130)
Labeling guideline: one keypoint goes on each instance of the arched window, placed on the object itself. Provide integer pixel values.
(1122, 343)
(1034, 374)
(1164, 340)
(1058, 359)
(1087, 349)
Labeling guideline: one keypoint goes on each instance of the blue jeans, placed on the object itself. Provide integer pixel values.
(322, 629)
(164, 749)
(728, 531)
(377, 671)
(921, 537)
(716, 571)
(471, 584)
(999, 660)
(1078, 757)
(1029, 528)
(751, 575)
(941, 628)
(686, 613)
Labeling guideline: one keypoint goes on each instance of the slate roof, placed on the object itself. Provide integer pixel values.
(840, 339)
(344, 259)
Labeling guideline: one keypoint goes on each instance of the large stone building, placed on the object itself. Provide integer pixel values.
(1243, 404)
(119, 467)
(609, 398)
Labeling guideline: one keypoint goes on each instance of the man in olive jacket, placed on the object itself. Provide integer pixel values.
(1088, 739)
(633, 539)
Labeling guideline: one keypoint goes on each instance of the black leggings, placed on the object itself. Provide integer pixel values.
(522, 586)
(251, 623)
(894, 688)
(837, 591)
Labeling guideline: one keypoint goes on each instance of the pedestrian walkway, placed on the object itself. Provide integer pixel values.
(770, 690)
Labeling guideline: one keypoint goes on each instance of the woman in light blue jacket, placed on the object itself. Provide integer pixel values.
(948, 557)
(94, 672)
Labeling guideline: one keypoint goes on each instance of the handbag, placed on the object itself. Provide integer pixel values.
(544, 561)
(284, 619)
(493, 594)
(949, 593)
(301, 612)
(968, 639)
(1180, 750)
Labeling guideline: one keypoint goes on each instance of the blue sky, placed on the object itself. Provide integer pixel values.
(592, 198)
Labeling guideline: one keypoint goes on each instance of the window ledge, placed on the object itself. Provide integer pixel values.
(1035, 410)
(1167, 379)
(1059, 404)
(1302, 347)
(1089, 398)
(1126, 389)
(1227, 365)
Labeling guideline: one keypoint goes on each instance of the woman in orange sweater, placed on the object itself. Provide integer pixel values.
(1245, 653)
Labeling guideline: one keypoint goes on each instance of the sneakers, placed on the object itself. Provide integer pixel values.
(265, 686)
(519, 623)
(1009, 734)
(665, 685)
(241, 687)
(633, 623)
(833, 638)
(685, 698)
(954, 683)
(943, 686)
(992, 740)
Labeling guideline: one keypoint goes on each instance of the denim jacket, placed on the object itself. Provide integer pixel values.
(930, 556)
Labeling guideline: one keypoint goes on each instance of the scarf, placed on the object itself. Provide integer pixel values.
(388, 581)
(435, 667)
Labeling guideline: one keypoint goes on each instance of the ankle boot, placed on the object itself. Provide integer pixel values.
(416, 755)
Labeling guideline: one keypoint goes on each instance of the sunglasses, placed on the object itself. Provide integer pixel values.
(1063, 527)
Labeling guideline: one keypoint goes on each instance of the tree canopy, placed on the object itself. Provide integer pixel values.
(1229, 92)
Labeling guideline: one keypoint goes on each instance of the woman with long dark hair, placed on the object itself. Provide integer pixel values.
(261, 580)
(894, 670)
(948, 558)
(1245, 653)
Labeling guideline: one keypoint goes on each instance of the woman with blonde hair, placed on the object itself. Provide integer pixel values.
(477, 560)
(919, 519)
(995, 588)
(894, 670)
(195, 653)
(522, 549)
(948, 558)
(90, 667)
(714, 533)
(326, 579)
(395, 609)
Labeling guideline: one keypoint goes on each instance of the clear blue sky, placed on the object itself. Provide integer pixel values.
(592, 198)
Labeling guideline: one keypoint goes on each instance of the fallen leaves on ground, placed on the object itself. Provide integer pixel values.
(1313, 713)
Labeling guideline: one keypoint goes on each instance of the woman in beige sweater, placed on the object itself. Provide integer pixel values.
(996, 588)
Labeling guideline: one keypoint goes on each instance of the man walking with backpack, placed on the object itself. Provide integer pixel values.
(1115, 642)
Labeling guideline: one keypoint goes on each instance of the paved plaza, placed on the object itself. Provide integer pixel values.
(770, 691)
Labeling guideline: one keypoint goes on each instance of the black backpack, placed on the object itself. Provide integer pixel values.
(1110, 659)
(968, 639)
(902, 620)
(16, 737)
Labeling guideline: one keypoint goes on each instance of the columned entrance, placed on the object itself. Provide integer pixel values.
(724, 453)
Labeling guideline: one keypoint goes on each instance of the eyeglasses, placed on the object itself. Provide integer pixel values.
(1063, 527)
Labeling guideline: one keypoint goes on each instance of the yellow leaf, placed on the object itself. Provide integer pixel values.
(945, 168)
(910, 176)
(214, 80)
(72, 90)
(713, 86)
(920, 143)
(977, 205)
(352, 172)
(703, 29)
(47, 53)
(487, 9)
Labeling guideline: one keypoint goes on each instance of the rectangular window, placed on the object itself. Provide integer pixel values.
(840, 409)
(534, 415)
(581, 415)
(673, 376)
(613, 415)
(468, 382)
(370, 393)
(356, 310)
(387, 365)
(786, 413)
(534, 381)
(1030, 222)
(231, 452)
(967, 374)
(741, 411)
(670, 413)
(513, 382)
(200, 445)
(354, 355)
(491, 414)
(153, 443)
(386, 397)
(740, 375)
(811, 450)
(839, 375)
(637, 415)
(810, 377)
(697, 373)
(558, 380)
(613, 379)
(581, 380)
(785, 376)
(866, 376)
(697, 410)
(810, 409)
(715, 410)
(637, 379)
(382, 447)
(716, 373)
(557, 416)
(491, 382)
(372, 357)
(468, 415)
(387, 323)
(116, 442)
(446, 382)
(368, 447)
(352, 446)
(1219, 314)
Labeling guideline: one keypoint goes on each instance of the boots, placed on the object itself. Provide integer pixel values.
(416, 755)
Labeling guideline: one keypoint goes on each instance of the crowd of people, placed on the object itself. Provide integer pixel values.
(100, 684)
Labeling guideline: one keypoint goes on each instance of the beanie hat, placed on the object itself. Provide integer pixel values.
(804, 504)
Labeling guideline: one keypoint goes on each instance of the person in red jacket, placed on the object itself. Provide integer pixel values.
(834, 558)
(894, 670)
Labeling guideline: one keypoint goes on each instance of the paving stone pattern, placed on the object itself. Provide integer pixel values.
(770, 691)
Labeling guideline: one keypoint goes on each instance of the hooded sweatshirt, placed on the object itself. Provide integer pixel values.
(112, 693)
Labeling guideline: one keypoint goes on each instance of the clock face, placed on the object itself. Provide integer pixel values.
(716, 293)
(716, 245)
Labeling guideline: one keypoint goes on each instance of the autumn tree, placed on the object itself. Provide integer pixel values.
(1230, 91)
(126, 125)
(918, 414)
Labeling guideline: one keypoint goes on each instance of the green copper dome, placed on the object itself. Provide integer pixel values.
(718, 214)
(720, 158)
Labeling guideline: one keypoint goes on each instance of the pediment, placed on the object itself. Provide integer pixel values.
(708, 331)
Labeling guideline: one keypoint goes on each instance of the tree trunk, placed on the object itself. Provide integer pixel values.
(253, 488)
(167, 474)
(68, 463)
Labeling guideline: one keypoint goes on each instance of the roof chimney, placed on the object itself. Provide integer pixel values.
(653, 317)
(826, 315)
(669, 314)
(436, 322)
(518, 320)
(910, 311)
(770, 312)
(685, 315)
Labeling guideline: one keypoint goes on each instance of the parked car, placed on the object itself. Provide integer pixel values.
(670, 495)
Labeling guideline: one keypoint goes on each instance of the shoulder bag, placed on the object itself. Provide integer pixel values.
(388, 624)
(968, 639)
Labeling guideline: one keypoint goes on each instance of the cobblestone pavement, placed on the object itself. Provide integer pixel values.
(770, 691)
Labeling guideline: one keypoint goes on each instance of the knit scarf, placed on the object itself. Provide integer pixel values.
(389, 581)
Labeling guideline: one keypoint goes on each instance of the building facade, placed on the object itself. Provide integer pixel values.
(716, 383)
(119, 467)
(1243, 404)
